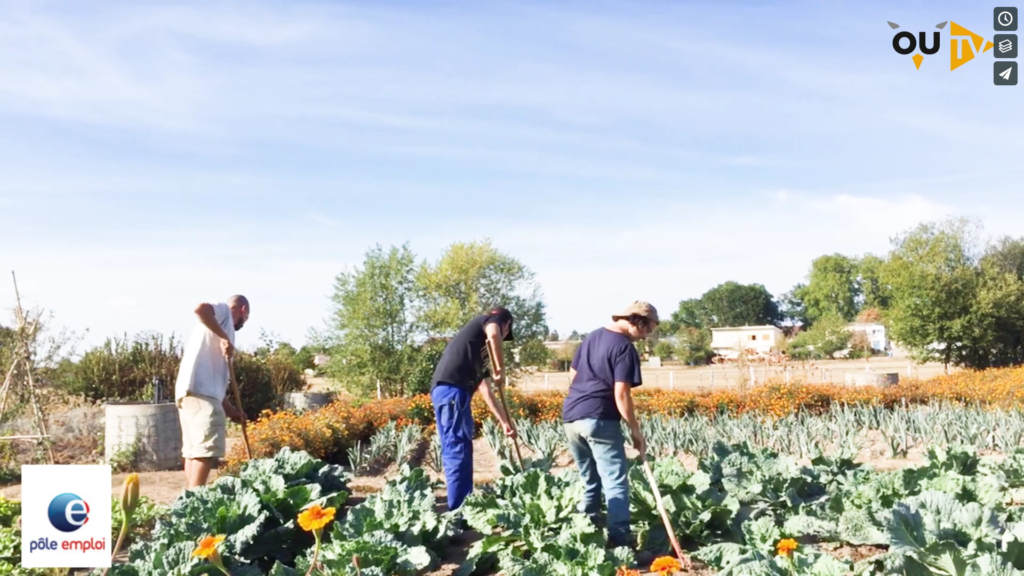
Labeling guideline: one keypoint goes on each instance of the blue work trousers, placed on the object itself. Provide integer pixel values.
(454, 416)
(599, 449)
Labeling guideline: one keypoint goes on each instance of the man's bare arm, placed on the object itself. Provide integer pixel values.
(209, 319)
(234, 414)
(624, 402)
(492, 404)
(493, 332)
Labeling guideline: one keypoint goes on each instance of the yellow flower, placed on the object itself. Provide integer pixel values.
(208, 547)
(315, 518)
(786, 547)
(666, 565)
(130, 494)
(623, 571)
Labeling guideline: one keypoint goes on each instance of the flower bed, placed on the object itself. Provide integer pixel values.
(329, 432)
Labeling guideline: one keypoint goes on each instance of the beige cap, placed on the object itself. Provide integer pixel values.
(640, 308)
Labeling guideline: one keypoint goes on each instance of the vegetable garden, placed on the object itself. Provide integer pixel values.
(751, 485)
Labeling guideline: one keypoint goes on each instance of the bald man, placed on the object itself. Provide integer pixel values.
(201, 390)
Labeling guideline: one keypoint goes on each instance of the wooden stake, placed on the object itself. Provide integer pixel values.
(238, 402)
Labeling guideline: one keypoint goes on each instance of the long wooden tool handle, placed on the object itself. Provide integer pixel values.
(664, 515)
(238, 403)
(501, 398)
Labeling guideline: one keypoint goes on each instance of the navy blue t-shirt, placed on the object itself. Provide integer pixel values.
(603, 358)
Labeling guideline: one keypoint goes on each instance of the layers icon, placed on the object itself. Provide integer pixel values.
(1006, 46)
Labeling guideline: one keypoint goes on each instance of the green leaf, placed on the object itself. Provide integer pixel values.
(945, 559)
(856, 527)
(762, 534)
(826, 565)
(720, 555)
(906, 530)
(801, 525)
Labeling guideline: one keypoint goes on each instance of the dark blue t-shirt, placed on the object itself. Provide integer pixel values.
(603, 358)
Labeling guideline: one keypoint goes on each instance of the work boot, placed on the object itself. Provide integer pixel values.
(643, 558)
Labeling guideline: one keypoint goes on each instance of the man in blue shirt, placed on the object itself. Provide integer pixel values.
(604, 371)
(460, 373)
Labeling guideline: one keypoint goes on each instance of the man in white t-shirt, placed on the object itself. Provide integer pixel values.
(201, 390)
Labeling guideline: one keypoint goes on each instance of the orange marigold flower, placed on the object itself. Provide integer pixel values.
(207, 547)
(785, 547)
(315, 518)
(666, 565)
(623, 571)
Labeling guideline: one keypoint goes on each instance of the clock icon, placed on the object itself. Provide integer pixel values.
(1005, 19)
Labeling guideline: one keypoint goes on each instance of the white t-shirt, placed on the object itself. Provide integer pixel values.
(204, 371)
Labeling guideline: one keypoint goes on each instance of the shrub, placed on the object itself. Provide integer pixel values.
(263, 379)
(126, 370)
(664, 349)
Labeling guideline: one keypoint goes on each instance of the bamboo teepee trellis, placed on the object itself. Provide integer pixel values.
(20, 375)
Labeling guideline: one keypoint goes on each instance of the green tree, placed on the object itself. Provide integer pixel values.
(7, 345)
(872, 292)
(826, 337)
(426, 359)
(469, 279)
(734, 304)
(306, 356)
(792, 308)
(996, 323)
(664, 349)
(832, 288)
(533, 353)
(934, 284)
(563, 355)
(693, 345)
(374, 323)
(691, 314)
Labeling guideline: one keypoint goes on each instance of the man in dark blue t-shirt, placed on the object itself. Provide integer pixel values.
(604, 371)
(463, 370)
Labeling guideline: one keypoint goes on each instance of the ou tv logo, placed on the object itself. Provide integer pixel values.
(965, 44)
(68, 512)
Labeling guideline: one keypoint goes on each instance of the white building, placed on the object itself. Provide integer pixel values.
(875, 333)
(728, 342)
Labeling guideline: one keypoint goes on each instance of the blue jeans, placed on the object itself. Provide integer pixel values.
(599, 448)
(454, 416)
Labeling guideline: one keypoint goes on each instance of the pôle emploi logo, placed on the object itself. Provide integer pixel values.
(68, 512)
(65, 516)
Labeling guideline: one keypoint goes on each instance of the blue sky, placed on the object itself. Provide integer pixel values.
(154, 156)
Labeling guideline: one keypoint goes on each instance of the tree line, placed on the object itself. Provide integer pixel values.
(941, 291)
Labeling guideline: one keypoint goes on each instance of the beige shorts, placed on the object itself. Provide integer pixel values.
(203, 427)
